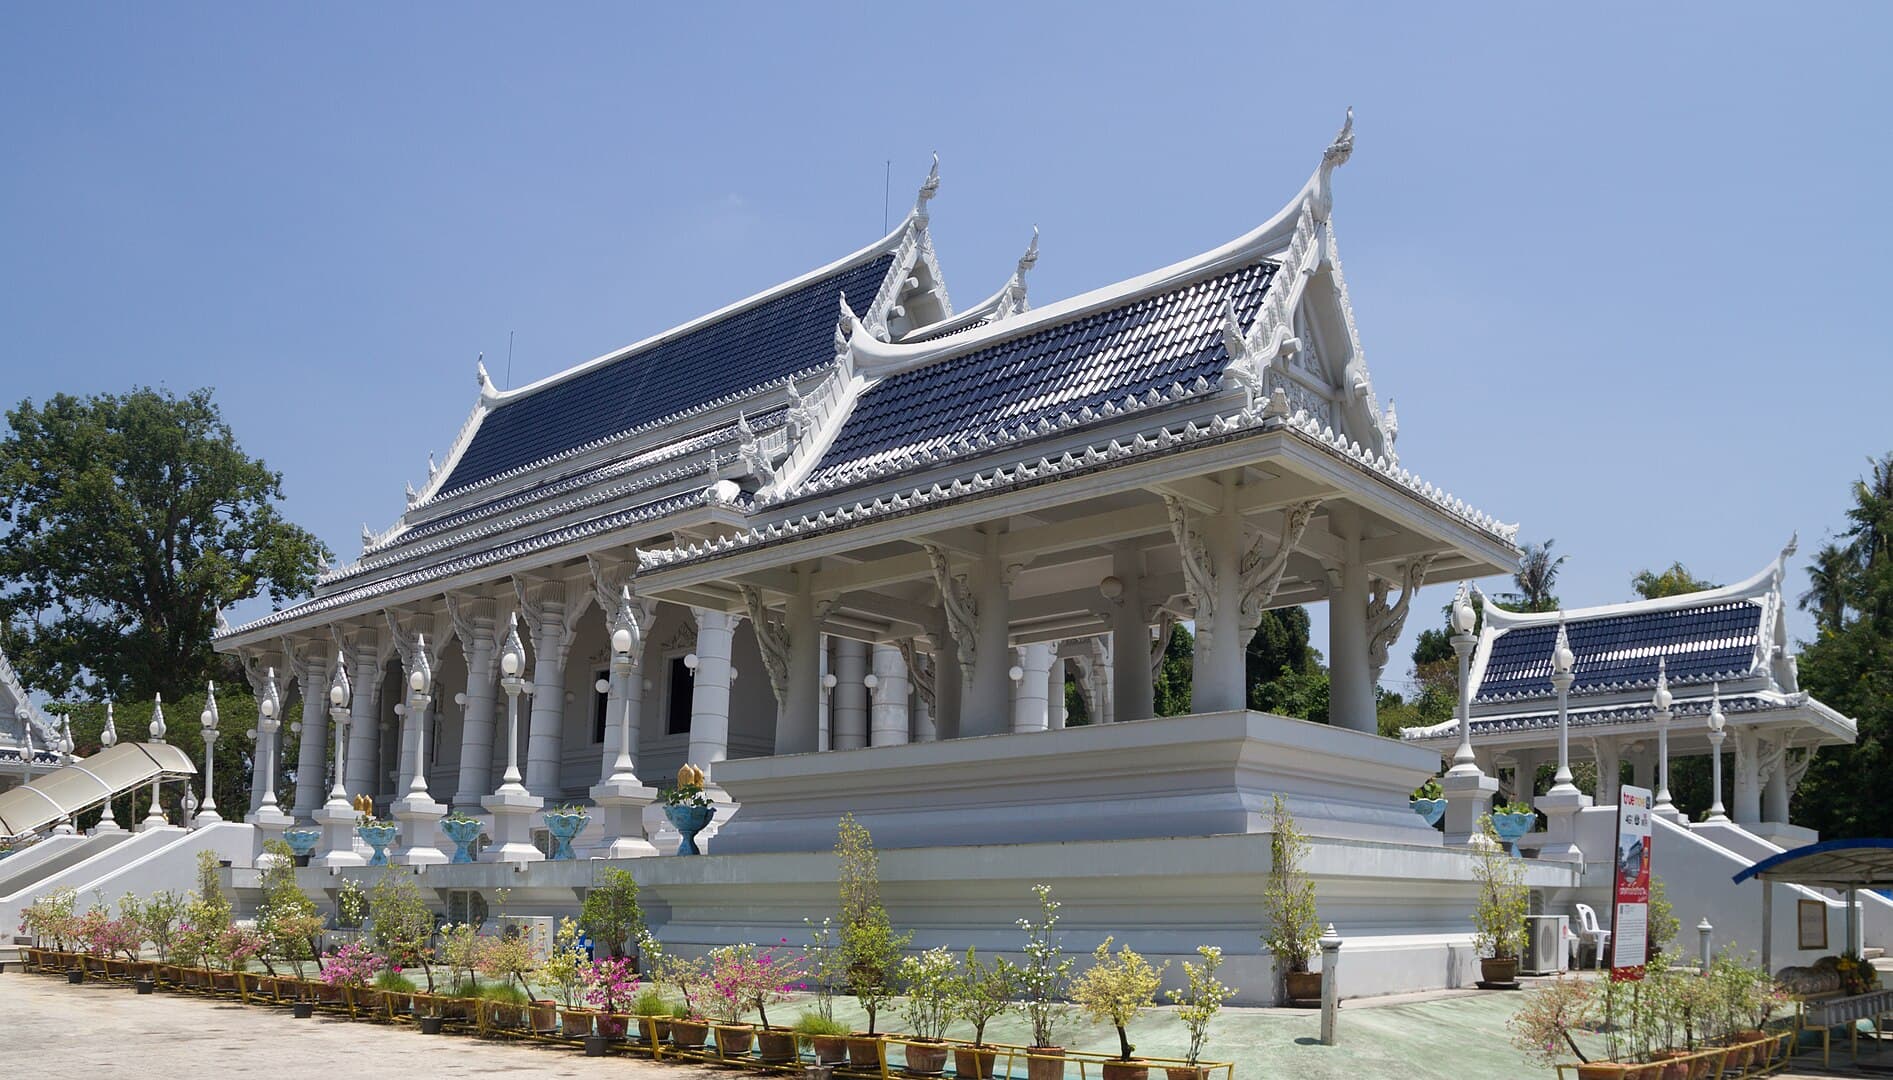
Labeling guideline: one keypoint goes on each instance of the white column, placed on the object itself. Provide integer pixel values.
(824, 694)
(1350, 678)
(710, 696)
(987, 708)
(545, 737)
(848, 719)
(364, 721)
(1055, 695)
(1643, 769)
(312, 682)
(1031, 709)
(474, 626)
(1524, 775)
(1133, 692)
(1609, 771)
(798, 720)
(1748, 780)
(889, 723)
(1775, 793)
(949, 687)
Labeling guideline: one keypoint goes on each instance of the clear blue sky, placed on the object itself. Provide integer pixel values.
(1623, 267)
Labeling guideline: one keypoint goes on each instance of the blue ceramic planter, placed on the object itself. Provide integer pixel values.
(1431, 810)
(463, 832)
(302, 841)
(1512, 826)
(379, 837)
(564, 826)
(689, 820)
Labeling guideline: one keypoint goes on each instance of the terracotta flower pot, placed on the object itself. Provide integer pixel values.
(830, 1049)
(734, 1040)
(1045, 1063)
(544, 1016)
(970, 1061)
(864, 1050)
(926, 1057)
(689, 1034)
(1499, 971)
(1126, 1070)
(1670, 1068)
(777, 1047)
(1185, 1072)
(1303, 985)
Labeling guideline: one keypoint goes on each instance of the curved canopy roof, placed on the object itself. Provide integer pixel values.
(1835, 864)
(87, 782)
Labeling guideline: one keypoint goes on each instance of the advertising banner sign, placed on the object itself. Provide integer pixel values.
(1630, 888)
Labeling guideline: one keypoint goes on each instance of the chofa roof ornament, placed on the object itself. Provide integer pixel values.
(1332, 158)
(928, 189)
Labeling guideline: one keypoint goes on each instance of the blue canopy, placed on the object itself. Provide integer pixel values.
(1835, 864)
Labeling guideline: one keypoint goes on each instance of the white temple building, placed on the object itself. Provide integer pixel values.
(29, 745)
(841, 545)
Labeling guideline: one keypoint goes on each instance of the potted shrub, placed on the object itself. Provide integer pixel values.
(463, 829)
(688, 1028)
(49, 919)
(609, 986)
(933, 988)
(462, 951)
(732, 973)
(688, 809)
(564, 823)
(1043, 980)
(401, 925)
(1115, 990)
(1510, 821)
(1542, 1028)
(1197, 1004)
(509, 960)
(870, 949)
(983, 991)
(350, 969)
(773, 976)
(158, 918)
(1288, 907)
(653, 1012)
(565, 969)
(611, 915)
(1662, 923)
(236, 947)
(1429, 801)
(290, 927)
(827, 1036)
(1499, 917)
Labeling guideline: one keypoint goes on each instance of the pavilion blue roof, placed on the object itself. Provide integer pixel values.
(1152, 342)
(1709, 641)
(745, 349)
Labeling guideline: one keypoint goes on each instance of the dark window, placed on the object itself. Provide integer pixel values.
(683, 683)
(601, 703)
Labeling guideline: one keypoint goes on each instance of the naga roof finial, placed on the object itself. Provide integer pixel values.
(1336, 155)
(928, 189)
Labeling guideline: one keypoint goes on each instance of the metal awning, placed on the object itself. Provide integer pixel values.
(1835, 864)
(88, 782)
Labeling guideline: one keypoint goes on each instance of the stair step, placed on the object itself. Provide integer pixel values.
(1871, 952)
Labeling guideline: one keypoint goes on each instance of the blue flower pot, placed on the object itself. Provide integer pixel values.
(564, 826)
(463, 832)
(1512, 826)
(302, 841)
(689, 820)
(379, 837)
(1430, 810)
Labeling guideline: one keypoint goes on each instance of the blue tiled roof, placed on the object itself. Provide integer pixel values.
(748, 348)
(1697, 643)
(1145, 344)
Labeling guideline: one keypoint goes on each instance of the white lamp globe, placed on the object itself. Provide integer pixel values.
(602, 686)
(335, 696)
(870, 680)
(828, 681)
(1661, 699)
(1015, 673)
(1463, 615)
(621, 640)
(417, 681)
(267, 707)
(207, 718)
(690, 661)
(509, 663)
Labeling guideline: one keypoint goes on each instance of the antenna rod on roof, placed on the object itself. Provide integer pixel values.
(887, 180)
(509, 359)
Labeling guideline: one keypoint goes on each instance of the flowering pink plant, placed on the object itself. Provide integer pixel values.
(91, 928)
(743, 977)
(236, 945)
(354, 964)
(610, 984)
(120, 935)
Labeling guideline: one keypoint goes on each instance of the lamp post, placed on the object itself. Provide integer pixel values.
(420, 696)
(512, 805)
(66, 826)
(207, 811)
(155, 818)
(622, 797)
(1716, 723)
(1468, 790)
(1660, 705)
(25, 716)
(1563, 664)
(417, 812)
(269, 704)
(108, 738)
(337, 816)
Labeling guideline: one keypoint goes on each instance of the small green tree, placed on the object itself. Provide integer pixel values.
(1664, 924)
(1116, 989)
(827, 966)
(400, 924)
(986, 989)
(462, 951)
(1499, 919)
(565, 967)
(868, 943)
(1288, 897)
(611, 914)
(934, 984)
(1046, 972)
(285, 917)
(1201, 999)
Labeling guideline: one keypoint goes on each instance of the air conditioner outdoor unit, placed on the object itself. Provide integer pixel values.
(1546, 951)
(536, 929)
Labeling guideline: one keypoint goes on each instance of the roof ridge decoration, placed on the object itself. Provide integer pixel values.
(1755, 588)
(22, 703)
(1011, 299)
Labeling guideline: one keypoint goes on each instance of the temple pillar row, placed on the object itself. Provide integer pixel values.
(1031, 703)
(849, 717)
(364, 713)
(710, 698)
(890, 723)
(312, 761)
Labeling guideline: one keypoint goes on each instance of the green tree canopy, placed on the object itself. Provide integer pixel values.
(130, 521)
(1536, 580)
(1674, 581)
(1849, 665)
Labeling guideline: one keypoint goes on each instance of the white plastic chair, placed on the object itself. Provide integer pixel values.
(1589, 930)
